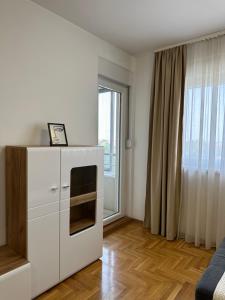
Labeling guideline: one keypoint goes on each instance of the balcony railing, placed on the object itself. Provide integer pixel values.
(110, 163)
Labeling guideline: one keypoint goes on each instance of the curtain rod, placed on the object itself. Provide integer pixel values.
(195, 40)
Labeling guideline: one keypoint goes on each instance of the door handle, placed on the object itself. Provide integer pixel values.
(65, 186)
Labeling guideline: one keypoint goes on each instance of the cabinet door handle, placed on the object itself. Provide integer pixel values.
(65, 186)
(54, 188)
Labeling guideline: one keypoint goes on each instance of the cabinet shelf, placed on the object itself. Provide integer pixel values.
(10, 260)
(80, 225)
(84, 198)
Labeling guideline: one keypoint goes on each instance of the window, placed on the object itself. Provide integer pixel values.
(204, 109)
(107, 127)
(203, 126)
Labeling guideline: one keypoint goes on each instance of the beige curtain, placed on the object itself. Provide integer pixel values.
(165, 143)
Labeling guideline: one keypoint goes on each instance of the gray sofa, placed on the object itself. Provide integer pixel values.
(209, 286)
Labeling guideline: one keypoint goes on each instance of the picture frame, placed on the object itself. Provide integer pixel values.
(57, 134)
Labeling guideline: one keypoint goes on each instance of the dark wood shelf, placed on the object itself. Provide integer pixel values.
(80, 225)
(10, 260)
(84, 198)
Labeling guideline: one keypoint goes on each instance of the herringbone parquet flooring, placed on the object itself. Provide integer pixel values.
(137, 265)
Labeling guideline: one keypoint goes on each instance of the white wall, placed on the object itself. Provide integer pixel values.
(144, 66)
(48, 72)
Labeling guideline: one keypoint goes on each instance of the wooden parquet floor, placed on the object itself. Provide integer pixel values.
(137, 265)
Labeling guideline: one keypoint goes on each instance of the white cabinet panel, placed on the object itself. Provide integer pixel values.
(43, 210)
(82, 248)
(43, 252)
(80, 157)
(15, 285)
(78, 250)
(43, 176)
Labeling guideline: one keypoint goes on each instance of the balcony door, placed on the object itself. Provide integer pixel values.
(112, 111)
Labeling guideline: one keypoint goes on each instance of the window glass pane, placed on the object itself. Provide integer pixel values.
(109, 120)
(104, 125)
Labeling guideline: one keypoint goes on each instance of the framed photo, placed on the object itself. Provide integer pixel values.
(57, 134)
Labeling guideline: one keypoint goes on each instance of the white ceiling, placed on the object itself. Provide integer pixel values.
(138, 25)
